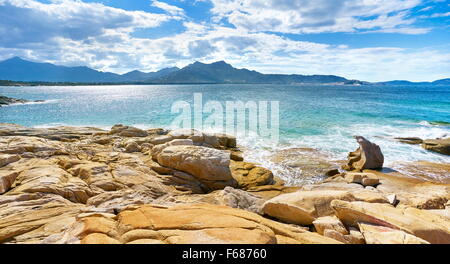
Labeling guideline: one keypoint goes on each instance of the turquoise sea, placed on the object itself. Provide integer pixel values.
(321, 117)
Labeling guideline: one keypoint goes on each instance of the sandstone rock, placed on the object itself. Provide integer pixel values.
(102, 140)
(374, 234)
(329, 222)
(355, 236)
(127, 131)
(62, 133)
(156, 150)
(413, 192)
(370, 181)
(48, 178)
(240, 199)
(132, 147)
(366, 179)
(303, 207)
(118, 200)
(7, 179)
(420, 223)
(95, 174)
(445, 213)
(410, 140)
(249, 175)
(267, 192)
(367, 156)
(6, 159)
(346, 239)
(22, 144)
(30, 218)
(194, 135)
(392, 199)
(187, 224)
(236, 156)
(209, 166)
(439, 145)
(161, 139)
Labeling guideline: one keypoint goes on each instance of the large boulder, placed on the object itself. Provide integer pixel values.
(209, 166)
(420, 223)
(304, 207)
(249, 175)
(439, 145)
(367, 156)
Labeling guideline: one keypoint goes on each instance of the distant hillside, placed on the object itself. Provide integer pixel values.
(17, 71)
(442, 82)
(138, 76)
(403, 82)
(222, 72)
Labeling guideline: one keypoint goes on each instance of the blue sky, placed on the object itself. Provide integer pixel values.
(373, 40)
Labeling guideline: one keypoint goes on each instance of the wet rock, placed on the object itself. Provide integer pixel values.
(410, 140)
(332, 172)
(367, 156)
(439, 145)
(249, 175)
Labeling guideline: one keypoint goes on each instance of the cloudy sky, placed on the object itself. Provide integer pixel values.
(373, 40)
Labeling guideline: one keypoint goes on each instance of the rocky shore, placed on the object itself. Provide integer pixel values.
(8, 100)
(127, 185)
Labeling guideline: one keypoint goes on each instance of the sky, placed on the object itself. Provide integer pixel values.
(370, 40)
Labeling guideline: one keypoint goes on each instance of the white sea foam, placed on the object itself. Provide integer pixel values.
(338, 141)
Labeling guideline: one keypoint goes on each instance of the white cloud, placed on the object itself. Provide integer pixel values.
(303, 16)
(171, 9)
(28, 21)
(441, 14)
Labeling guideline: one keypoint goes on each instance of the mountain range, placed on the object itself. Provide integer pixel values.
(18, 69)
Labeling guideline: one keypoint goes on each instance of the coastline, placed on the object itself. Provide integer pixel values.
(86, 184)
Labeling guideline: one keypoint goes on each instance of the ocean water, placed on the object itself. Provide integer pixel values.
(320, 117)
